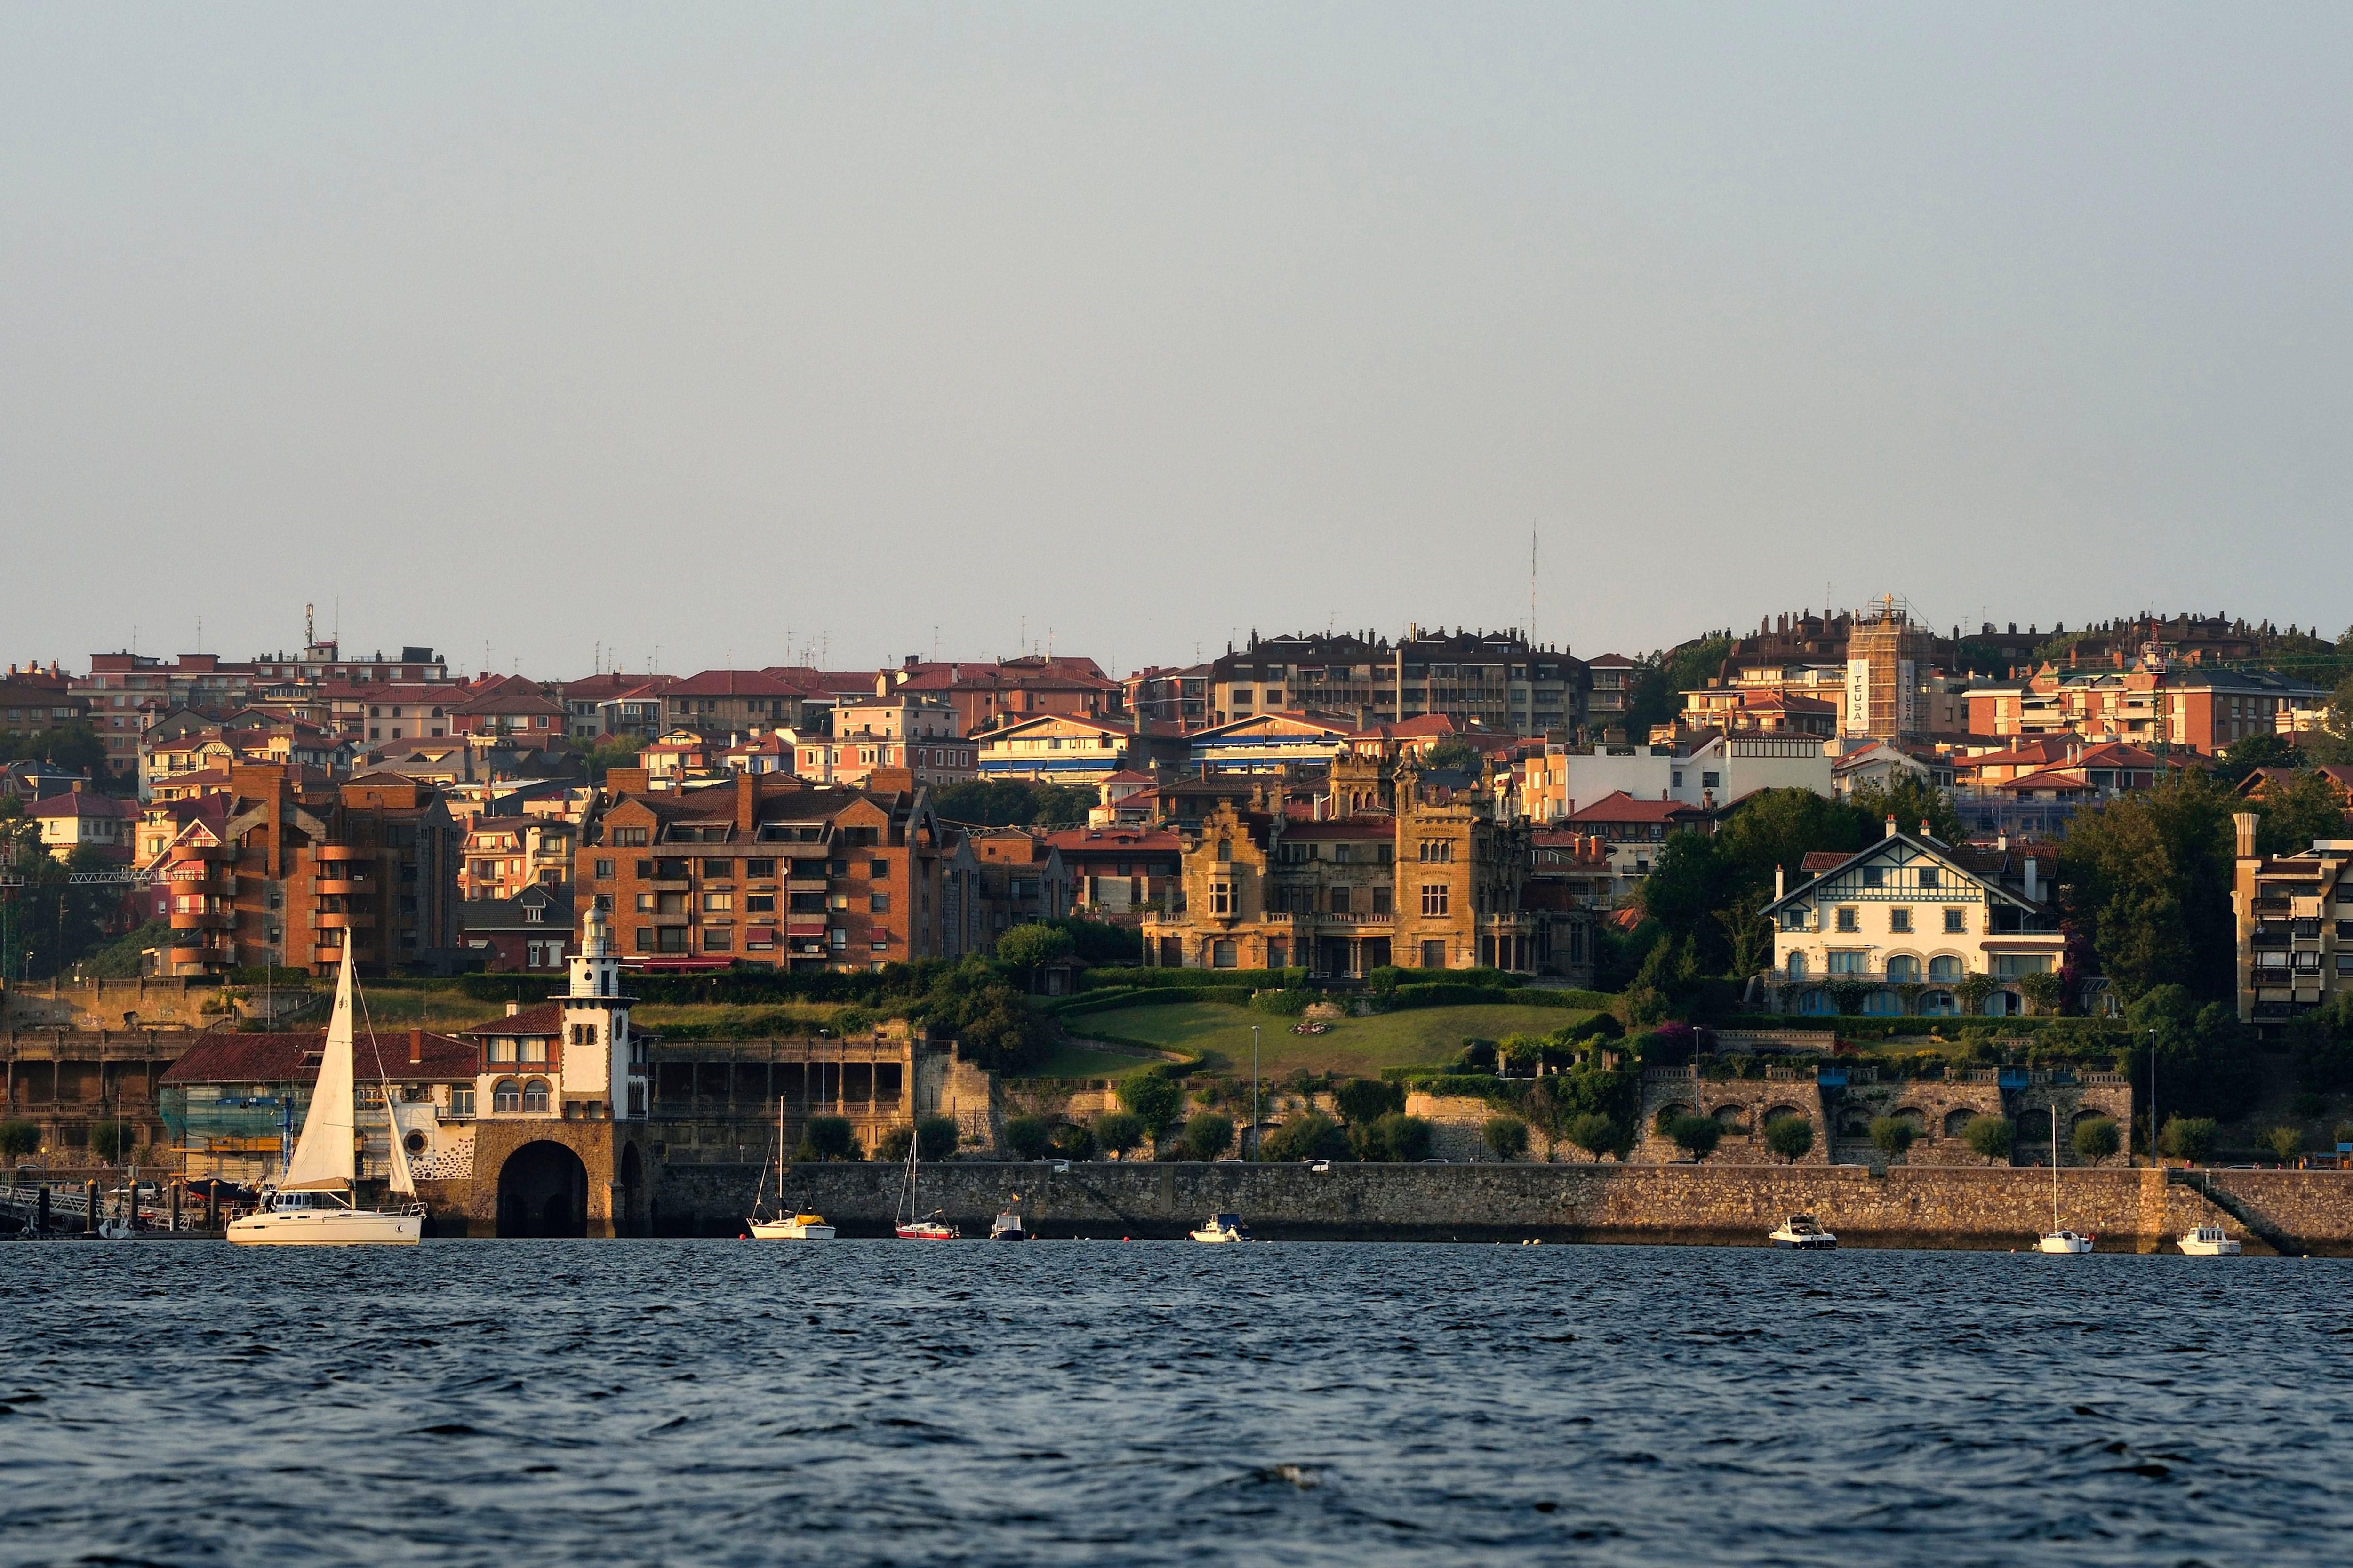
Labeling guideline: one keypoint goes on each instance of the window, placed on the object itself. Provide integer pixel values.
(1222, 897)
(1929, 877)
(1899, 920)
(1381, 902)
(760, 903)
(605, 870)
(1433, 955)
(503, 1050)
(1797, 966)
(1846, 920)
(1225, 850)
(2008, 966)
(1433, 898)
(837, 939)
(1956, 921)
(1224, 955)
(645, 903)
(1710, 781)
(507, 1097)
(534, 1097)
(878, 903)
(1847, 960)
(461, 1100)
(878, 869)
(759, 868)
(717, 904)
(719, 939)
(1945, 969)
(641, 939)
(1873, 876)
(721, 869)
(669, 939)
(631, 837)
(1903, 970)
(534, 1048)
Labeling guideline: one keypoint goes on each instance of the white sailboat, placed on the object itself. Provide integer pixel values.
(2056, 1240)
(311, 1204)
(932, 1227)
(784, 1227)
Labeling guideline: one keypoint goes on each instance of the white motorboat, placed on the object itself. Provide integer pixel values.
(798, 1227)
(1008, 1226)
(2056, 1240)
(311, 1204)
(1804, 1233)
(2207, 1241)
(784, 1226)
(1219, 1228)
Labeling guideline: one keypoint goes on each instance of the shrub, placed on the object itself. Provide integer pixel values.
(18, 1137)
(938, 1136)
(827, 1138)
(1029, 948)
(1072, 1141)
(1507, 1137)
(1397, 1138)
(1893, 1135)
(2189, 1137)
(1311, 1135)
(1287, 1003)
(1791, 1137)
(1696, 1136)
(1119, 1131)
(2343, 1132)
(2096, 1140)
(1152, 1098)
(2307, 1104)
(1989, 1137)
(1207, 1136)
(1595, 1134)
(1028, 1137)
(2286, 1143)
(110, 1141)
(893, 1145)
(1363, 1100)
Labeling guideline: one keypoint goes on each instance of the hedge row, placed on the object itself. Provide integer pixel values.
(1109, 978)
(1878, 1027)
(1454, 994)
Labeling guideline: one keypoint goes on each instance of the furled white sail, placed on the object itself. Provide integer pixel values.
(402, 1181)
(325, 1156)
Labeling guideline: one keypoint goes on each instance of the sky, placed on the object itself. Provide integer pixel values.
(590, 336)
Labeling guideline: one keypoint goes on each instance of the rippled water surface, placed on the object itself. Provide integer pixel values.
(878, 1402)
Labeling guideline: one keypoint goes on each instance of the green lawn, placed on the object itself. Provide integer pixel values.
(1360, 1048)
(1072, 1060)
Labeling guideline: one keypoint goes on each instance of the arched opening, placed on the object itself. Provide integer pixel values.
(542, 1191)
(1957, 1122)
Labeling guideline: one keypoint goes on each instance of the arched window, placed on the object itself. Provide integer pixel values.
(1797, 966)
(1944, 968)
(507, 1096)
(534, 1097)
(1902, 969)
(1939, 1005)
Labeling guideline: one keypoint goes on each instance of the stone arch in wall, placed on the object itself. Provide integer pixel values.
(1669, 1111)
(1913, 1114)
(1957, 1121)
(542, 1192)
(1774, 1114)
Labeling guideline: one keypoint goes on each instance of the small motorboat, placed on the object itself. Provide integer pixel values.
(2208, 1241)
(799, 1227)
(1221, 1227)
(932, 1227)
(2063, 1241)
(1805, 1233)
(1008, 1226)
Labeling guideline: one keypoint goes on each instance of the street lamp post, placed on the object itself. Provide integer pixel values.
(1253, 1138)
(2154, 1157)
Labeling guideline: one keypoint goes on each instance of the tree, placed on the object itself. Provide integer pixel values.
(1309, 1135)
(1791, 1137)
(2296, 811)
(1366, 1100)
(75, 747)
(1014, 802)
(937, 1135)
(18, 1137)
(1119, 1132)
(827, 1138)
(2148, 877)
(609, 752)
(1893, 1135)
(110, 1141)
(2286, 1143)
(1655, 695)
(1072, 1141)
(1696, 1136)
(2189, 1137)
(2096, 1140)
(1394, 1138)
(1028, 1137)
(1452, 756)
(1152, 1100)
(1029, 948)
(1595, 1134)
(1505, 1136)
(893, 1144)
(2205, 1066)
(1989, 1137)
(1207, 1136)
(2243, 757)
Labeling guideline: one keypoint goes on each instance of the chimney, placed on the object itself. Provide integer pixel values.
(1891, 826)
(2245, 822)
(2001, 842)
(415, 1046)
(1924, 827)
(1781, 883)
(747, 805)
(514, 1008)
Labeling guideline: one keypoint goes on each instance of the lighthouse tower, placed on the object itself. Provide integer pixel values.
(596, 1025)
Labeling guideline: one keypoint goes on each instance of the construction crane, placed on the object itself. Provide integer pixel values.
(11, 966)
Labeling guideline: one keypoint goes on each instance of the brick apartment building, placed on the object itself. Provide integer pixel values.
(277, 874)
(2197, 708)
(765, 869)
(1489, 681)
(985, 696)
(34, 700)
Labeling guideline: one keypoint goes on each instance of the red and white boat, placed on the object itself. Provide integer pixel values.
(932, 1227)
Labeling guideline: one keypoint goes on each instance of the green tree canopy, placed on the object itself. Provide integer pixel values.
(1207, 1136)
(1028, 1137)
(1507, 1137)
(2297, 810)
(1153, 1098)
(1014, 802)
(1893, 1135)
(1364, 1099)
(2147, 877)
(1029, 948)
(1989, 1137)
(1309, 1135)
(1790, 1137)
(2096, 1140)
(1119, 1131)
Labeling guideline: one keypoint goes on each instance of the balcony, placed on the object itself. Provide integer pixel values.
(203, 920)
(360, 920)
(2268, 937)
(343, 887)
(339, 852)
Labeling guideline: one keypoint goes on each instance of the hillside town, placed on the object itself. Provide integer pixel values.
(1840, 822)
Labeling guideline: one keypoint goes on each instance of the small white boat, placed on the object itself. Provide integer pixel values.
(1008, 1226)
(799, 1227)
(2208, 1241)
(1804, 1233)
(312, 1204)
(1219, 1228)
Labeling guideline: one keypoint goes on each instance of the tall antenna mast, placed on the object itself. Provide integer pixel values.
(1532, 584)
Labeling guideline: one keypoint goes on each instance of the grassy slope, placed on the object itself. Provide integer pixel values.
(1425, 1037)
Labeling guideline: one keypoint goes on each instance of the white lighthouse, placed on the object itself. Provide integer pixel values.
(597, 1023)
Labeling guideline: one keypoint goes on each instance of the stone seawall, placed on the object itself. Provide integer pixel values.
(1910, 1205)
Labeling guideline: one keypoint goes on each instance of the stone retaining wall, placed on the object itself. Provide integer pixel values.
(1908, 1206)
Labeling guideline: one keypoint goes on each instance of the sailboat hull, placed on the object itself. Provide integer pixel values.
(327, 1227)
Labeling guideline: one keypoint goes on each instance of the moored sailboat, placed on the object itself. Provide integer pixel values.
(932, 1227)
(2056, 1240)
(784, 1226)
(312, 1204)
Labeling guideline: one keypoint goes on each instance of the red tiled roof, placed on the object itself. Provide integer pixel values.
(81, 803)
(737, 683)
(1620, 807)
(547, 1018)
(294, 1058)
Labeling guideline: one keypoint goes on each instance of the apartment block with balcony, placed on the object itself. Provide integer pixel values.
(2294, 915)
(1492, 681)
(1905, 924)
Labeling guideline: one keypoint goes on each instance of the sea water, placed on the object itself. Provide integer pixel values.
(853, 1402)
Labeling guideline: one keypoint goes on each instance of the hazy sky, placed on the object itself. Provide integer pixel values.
(731, 330)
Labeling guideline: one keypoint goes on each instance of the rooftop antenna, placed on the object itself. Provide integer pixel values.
(310, 628)
(1531, 583)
